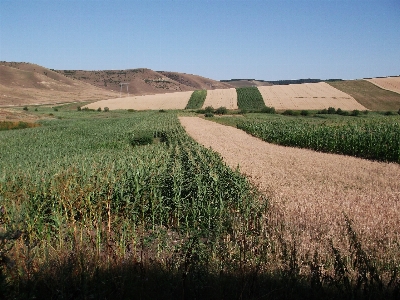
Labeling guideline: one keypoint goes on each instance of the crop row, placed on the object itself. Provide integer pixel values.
(371, 139)
(249, 98)
(197, 99)
(79, 183)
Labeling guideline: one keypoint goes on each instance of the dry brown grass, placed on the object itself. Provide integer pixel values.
(310, 192)
(387, 83)
(369, 95)
(307, 96)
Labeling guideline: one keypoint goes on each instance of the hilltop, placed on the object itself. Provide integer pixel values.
(30, 84)
(144, 81)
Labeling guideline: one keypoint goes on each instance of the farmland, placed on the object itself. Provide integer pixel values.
(221, 98)
(307, 96)
(369, 95)
(249, 98)
(176, 100)
(197, 99)
(387, 83)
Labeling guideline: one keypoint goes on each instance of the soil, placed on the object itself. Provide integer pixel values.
(309, 192)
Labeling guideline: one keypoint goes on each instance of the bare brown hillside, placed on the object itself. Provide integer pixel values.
(30, 84)
(143, 81)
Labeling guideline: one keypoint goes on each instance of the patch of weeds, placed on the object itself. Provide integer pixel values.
(141, 138)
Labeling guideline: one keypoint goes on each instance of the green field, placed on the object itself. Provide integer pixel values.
(249, 98)
(86, 212)
(197, 99)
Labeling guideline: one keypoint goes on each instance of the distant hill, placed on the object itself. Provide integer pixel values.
(144, 81)
(30, 84)
(246, 82)
(254, 82)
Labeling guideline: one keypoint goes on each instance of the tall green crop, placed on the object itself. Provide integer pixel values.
(371, 139)
(249, 98)
(197, 99)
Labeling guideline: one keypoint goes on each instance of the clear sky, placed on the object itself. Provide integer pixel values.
(219, 39)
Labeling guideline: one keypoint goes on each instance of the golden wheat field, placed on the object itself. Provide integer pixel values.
(221, 98)
(387, 83)
(307, 96)
(148, 102)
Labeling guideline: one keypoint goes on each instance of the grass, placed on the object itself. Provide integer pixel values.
(369, 95)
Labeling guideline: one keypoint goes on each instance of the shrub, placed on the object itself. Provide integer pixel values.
(79, 108)
(141, 138)
(355, 113)
(339, 111)
(221, 111)
(25, 108)
(55, 108)
(389, 113)
(162, 111)
(331, 110)
(398, 111)
(209, 109)
(131, 110)
(106, 109)
(99, 109)
(36, 109)
(323, 111)
(304, 112)
(365, 112)
(290, 112)
(209, 115)
(268, 110)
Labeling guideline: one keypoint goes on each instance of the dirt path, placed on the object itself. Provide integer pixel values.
(310, 190)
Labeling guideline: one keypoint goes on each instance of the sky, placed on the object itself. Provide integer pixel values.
(218, 39)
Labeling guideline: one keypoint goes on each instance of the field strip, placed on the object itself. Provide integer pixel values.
(310, 190)
(307, 96)
(176, 100)
(387, 83)
(221, 97)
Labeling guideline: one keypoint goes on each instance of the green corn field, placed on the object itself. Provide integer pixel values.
(376, 139)
(197, 99)
(249, 98)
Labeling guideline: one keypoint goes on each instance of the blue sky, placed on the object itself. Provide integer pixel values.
(219, 39)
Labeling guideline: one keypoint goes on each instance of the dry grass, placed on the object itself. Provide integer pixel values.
(310, 192)
(149, 102)
(307, 96)
(369, 95)
(221, 98)
(387, 83)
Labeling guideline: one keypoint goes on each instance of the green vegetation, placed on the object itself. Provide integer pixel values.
(197, 99)
(367, 138)
(84, 215)
(7, 125)
(249, 98)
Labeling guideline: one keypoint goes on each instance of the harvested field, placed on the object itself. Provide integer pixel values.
(221, 97)
(307, 96)
(368, 94)
(387, 83)
(310, 191)
(147, 102)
